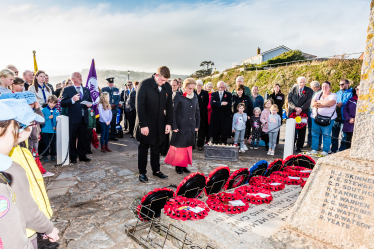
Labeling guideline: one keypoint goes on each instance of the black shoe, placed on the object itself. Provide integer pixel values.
(186, 170)
(113, 138)
(85, 159)
(200, 148)
(266, 148)
(73, 161)
(307, 146)
(89, 152)
(178, 170)
(143, 178)
(159, 174)
(53, 158)
(298, 151)
(131, 136)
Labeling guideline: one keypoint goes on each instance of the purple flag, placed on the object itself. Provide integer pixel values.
(93, 85)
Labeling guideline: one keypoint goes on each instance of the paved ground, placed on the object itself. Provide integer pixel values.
(91, 200)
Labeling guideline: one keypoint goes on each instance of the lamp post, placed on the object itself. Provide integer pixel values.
(128, 75)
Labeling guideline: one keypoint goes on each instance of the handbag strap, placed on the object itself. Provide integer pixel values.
(317, 107)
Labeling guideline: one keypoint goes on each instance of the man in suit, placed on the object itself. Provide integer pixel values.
(299, 99)
(153, 98)
(131, 109)
(78, 116)
(114, 98)
(220, 120)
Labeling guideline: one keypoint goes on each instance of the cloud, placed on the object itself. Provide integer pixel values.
(179, 35)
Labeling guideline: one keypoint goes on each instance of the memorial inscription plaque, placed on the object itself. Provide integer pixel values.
(336, 205)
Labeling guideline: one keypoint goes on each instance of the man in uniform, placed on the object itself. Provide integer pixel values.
(114, 98)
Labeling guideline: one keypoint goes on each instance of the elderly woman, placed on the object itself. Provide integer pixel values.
(323, 104)
(349, 114)
(186, 120)
(203, 98)
(40, 89)
(6, 80)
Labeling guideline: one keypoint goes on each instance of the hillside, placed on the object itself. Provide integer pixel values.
(120, 77)
(331, 70)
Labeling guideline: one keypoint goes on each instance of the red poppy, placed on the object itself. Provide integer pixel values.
(225, 95)
(167, 95)
(243, 101)
(304, 92)
(185, 94)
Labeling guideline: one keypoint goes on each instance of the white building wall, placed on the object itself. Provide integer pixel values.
(274, 53)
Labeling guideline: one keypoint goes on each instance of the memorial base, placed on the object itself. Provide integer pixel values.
(256, 228)
(336, 205)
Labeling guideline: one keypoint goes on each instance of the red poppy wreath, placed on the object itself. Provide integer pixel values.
(182, 208)
(289, 180)
(254, 195)
(298, 171)
(302, 115)
(303, 184)
(266, 183)
(227, 203)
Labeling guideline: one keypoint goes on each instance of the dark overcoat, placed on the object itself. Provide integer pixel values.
(150, 106)
(203, 99)
(278, 99)
(186, 117)
(220, 120)
(246, 100)
(303, 101)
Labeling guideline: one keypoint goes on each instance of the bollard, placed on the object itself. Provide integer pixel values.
(62, 139)
(289, 142)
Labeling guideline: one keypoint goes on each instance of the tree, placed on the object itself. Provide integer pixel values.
(206, 71)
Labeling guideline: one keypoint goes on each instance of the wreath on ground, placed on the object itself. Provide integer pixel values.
(303, 184)
(227, 203)
(182, 208)
(217, 180)
(152, 203)
(298, 171)
(254, 195)
(191, 186)
(289, 180)
(267, 183)
(239, 177)
(302, 115)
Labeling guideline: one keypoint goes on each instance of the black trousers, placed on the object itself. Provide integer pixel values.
(300, 138)
(113, 126)
(201, 136)
(349, 140)
(131, 117)
(125, 119)
(46, 138)
(143, 157)
(216, 140)
(265, 138)
(87, 147)
(77, 131)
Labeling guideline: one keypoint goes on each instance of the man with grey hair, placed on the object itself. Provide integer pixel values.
(13, 68)
(299, 99)
(240, 81)
(316, 87)
(28, 76)
(221, 114)
(78, 116)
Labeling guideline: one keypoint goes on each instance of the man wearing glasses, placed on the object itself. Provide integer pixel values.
(343, 96)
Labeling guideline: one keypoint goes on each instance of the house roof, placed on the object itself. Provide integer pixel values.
(268, 51)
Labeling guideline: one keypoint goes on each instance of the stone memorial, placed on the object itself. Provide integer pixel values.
(336, 205)
(227, 153)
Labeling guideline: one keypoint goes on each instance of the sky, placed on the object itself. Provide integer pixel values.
(143, 35)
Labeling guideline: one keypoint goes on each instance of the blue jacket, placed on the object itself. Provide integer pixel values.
(258, 102)
(343, 97)
(47, 127)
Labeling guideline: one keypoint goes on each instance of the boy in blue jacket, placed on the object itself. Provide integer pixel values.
(49, 128)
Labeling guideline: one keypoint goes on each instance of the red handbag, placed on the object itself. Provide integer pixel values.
(95, 140)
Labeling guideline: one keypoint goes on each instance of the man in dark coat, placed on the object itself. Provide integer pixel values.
(153, 98)
(220, 121)
(203, 98)
(78, 116)
(299, 99)
(114, 99)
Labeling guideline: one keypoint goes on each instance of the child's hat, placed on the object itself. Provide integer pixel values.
(29, 96)
(19, 110)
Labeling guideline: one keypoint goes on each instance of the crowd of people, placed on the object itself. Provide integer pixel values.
(166, 116)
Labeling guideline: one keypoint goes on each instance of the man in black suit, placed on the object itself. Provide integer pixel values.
(299, 99)
(220, 120)
(153, 97)
(78, 116)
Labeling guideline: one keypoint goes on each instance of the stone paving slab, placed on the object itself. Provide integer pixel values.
(68, 182)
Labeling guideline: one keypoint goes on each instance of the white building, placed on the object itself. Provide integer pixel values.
(267, 55)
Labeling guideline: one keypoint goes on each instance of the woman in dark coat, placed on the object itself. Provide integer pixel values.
(203, 98)
(349, 113)
(278, 98)
(186, 120)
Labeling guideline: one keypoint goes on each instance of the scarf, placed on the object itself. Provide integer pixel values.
(355, 97)
(189, 96)
(45, 100)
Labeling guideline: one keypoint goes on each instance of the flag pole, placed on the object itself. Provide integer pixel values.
(35, 64)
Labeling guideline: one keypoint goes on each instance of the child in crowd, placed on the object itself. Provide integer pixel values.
(238, 126)
(30, 204)
(264, 120)
(18, 85)
(274, 122)
(256, 128)
(90, 127)
(49, 128)
(105, 113)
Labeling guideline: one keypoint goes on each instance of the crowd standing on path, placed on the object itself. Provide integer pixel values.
(167, 117)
